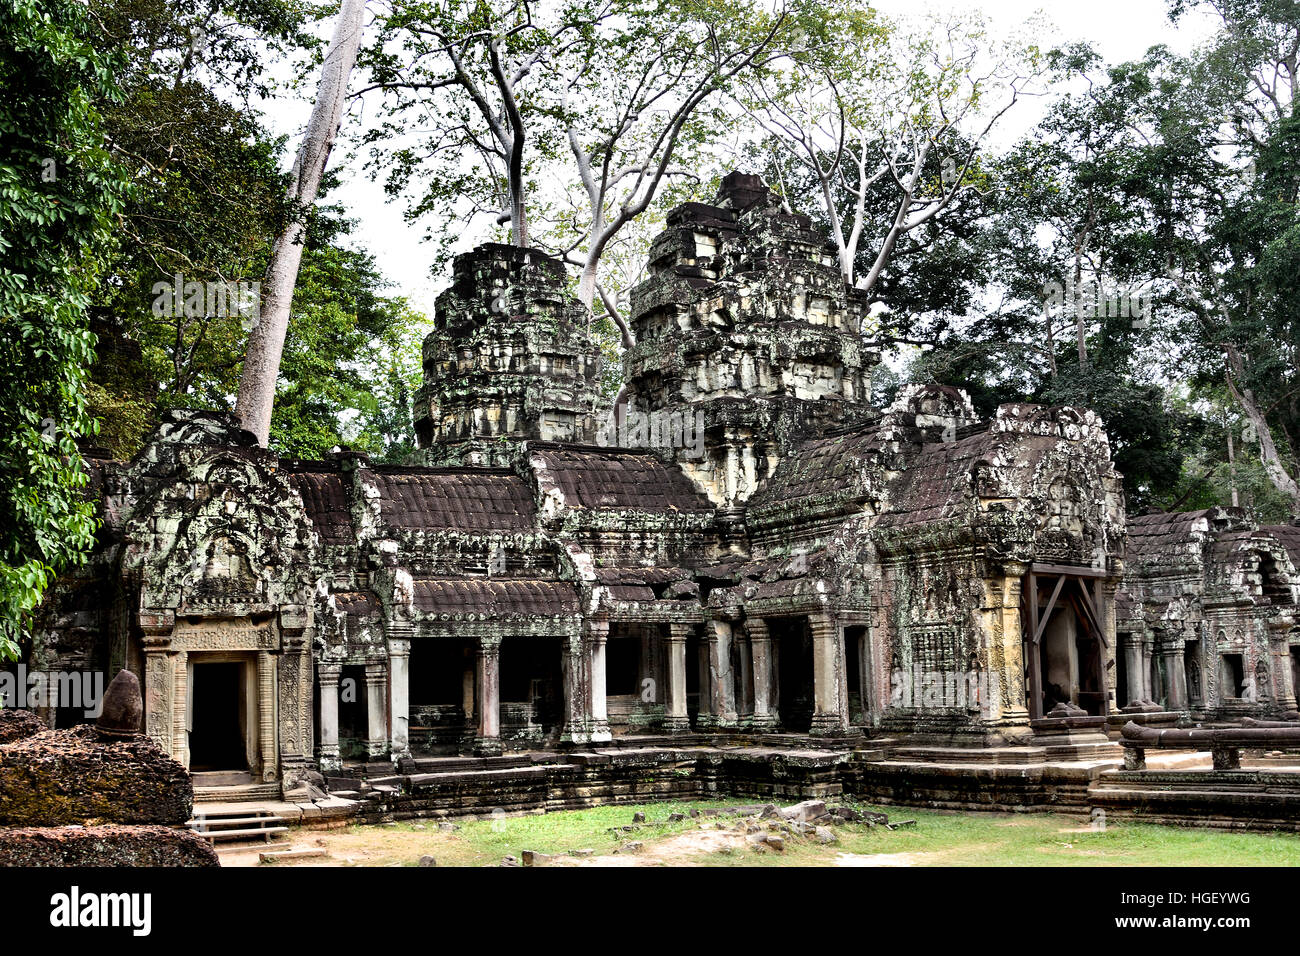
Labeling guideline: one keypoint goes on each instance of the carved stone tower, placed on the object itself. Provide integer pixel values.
(510, 358)
(746, 327)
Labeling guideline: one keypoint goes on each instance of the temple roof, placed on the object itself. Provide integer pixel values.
(618, 480)
(496, 598)
(420, 500)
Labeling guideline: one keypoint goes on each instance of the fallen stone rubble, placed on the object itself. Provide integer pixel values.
(765, 827)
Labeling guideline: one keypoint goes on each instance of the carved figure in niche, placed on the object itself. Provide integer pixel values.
(226, 567)
(1064, 507)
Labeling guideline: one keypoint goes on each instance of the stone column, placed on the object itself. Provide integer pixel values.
(676, 720)
(467, 679)
(158, 691)
(1284, 691)
(577, 681)
(266, 715)
(1175, 673)
(744, 676)
(1146, 648)
(722, 691)
(180, 748)
(598, 635)
(830, 687)
(488, 738)
(1006, 653)
(399, 697)
(328, 677)
(760, 644)
(1134, 667)
(376, 724)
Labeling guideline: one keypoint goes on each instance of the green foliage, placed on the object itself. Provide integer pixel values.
(59, 193)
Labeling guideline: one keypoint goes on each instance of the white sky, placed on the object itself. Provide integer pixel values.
(1120, 29)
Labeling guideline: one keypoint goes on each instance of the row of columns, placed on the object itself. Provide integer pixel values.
(1172, 649)
(729, 696)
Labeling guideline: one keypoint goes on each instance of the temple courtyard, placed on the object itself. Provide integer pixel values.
(607, 836)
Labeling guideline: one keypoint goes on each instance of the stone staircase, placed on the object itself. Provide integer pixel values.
(232, 787)
(238, 823)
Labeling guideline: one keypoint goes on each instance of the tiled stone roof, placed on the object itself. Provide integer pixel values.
(496, 598)
(465, 500)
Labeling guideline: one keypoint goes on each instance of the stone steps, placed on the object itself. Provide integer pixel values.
(237, 824)
(237, 794)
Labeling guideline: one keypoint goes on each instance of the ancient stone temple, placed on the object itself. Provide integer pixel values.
(746, 547)
(1207, 619)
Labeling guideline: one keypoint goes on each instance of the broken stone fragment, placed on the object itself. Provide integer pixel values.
(123, 708)
(428, 861)
(676, 817)
(638, 817)
(806, 811)
(580, 853)
(826, 835)
(533, 858)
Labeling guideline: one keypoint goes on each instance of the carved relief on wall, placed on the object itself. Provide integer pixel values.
(219, 635)
(1064, 507)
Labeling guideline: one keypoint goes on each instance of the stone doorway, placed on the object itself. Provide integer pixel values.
(222, 718)
(792, 646)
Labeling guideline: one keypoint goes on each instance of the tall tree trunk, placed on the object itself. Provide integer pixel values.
(266, 341)
(1232, 469)
(1274, 468)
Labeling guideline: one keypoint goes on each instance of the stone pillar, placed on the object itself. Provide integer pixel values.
(676, 720)
(181, 705)
(266, 716)
(830, 686)
(158, 691)
(488, 737)
(1175, 673)
(1135, 668)
(599, 636)
(467, 679)
(744, 676)
(1146, 648)
(327, 675)
(1284, 691)
(399, 697)
(577, 683)
(722, 691)
(1006, 653)
(376, 724)
(760, 644)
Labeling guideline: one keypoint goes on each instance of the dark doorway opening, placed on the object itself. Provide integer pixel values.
(1232, 676)
(853, 640)
(353, 720)
(1295, 671)
(217, 737)
(792, 641)
(532, 685)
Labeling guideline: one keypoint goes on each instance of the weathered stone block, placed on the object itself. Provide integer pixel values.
(70, 776)
(105, 846)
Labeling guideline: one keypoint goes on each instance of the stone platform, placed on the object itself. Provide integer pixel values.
(645, 769)
(1264, 794)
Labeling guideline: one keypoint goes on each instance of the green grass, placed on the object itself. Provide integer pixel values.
(938, 839)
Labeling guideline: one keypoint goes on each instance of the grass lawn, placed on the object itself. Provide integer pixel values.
(938, 839)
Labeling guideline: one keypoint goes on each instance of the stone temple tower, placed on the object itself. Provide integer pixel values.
(510, 358)
(745, 327)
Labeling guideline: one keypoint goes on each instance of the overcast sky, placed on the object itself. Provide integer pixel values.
(1120, 30)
